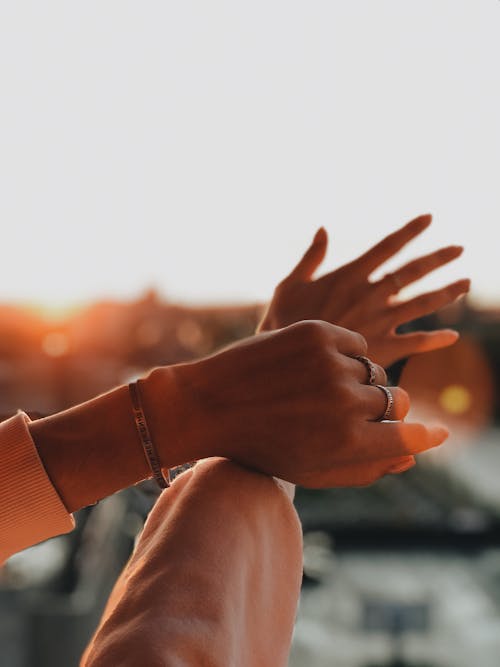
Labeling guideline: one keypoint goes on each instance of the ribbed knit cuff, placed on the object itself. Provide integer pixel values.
(30, 509)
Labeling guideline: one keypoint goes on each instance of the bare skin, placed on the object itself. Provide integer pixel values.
(348, 298)
(293, 403)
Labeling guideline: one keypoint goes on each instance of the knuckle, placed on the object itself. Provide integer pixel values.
(281, 286)
(300, 332)
(317, 333)
(310, 329)
(361, 342)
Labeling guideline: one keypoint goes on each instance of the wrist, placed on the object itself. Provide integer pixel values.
(91, 450)
(172, 417)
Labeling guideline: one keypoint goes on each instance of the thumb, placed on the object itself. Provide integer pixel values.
(312, 258)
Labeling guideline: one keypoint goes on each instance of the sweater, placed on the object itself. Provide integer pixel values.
(213, 581)
(30, 508)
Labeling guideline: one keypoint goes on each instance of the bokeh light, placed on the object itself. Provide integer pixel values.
(455, 399)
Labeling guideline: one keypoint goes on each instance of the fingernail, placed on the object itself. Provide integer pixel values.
(401, 468)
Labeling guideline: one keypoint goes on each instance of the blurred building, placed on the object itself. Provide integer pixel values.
(405, 573)
(46, 366)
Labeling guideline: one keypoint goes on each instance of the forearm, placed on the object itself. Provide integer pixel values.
(218, 564)
(92, 450)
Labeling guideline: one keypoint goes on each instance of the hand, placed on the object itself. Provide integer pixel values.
(348, 298)
(292, 403)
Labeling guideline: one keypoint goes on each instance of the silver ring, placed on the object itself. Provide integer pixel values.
(370, 367)
(389, 404)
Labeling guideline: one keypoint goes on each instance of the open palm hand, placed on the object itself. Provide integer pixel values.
(348, 298)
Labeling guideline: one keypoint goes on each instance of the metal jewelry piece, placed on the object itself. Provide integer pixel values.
(145, 437)
(370, 367)
(389, 404)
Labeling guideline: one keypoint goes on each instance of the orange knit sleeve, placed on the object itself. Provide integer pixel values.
(30, 508)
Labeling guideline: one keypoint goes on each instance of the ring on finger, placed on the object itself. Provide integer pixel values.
(370, 367)
(390, 402)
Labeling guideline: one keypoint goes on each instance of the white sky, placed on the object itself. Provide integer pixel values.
(198, 145)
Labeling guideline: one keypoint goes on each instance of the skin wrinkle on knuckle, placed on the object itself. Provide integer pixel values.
(312, 332)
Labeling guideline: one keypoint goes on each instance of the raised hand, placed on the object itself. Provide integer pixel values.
(293, 403)
(348, 298)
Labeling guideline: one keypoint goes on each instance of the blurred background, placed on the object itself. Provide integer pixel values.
(163, 166)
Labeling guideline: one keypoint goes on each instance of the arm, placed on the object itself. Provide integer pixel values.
(92, 450)
(218, 565)
(291, 403)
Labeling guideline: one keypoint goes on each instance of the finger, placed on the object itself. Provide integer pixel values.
(358, 474)
(363, 368)
(392, 244)
(363, 475)
(423, 341)
(428, 303)
(312, 258)
(376, 402)
(418, 268)
(350, 343)
(322, 333)
(390, 439)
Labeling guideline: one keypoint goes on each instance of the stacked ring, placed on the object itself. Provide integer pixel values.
(370, 367)
(389, 404)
